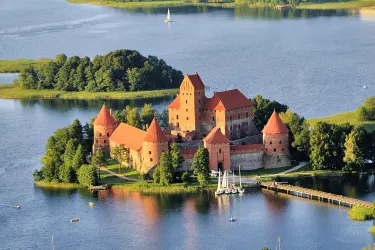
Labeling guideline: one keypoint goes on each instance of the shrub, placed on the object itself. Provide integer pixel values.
(156, 175)
(372, 230)
(185, 177)
(360, 213)
(37, 175)
(87, 175)
(144, 177)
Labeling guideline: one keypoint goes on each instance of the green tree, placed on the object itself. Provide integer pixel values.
(76, 131)
(87, 175)
(163, 119)
(321, 145)
(147, 114)
(185, 178)
(263, 109)
(97, 160)
(69, 152)
(156, 175)
(356, 147)
(166, 169)
(60, 60)
(66, 173)
(177, 158)
(133, 118)
(135, 78)
(200, 165)
(28, 79)
(78, 158)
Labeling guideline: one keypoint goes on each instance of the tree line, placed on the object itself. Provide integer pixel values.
(119, 70)
(366, 112)
(65, 157)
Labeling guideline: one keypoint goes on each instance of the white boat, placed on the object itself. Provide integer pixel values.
(219, 190)
(225, 183)
(364, 86)
(168, 19)
(232, 219)
(234, 189)
(240, 189)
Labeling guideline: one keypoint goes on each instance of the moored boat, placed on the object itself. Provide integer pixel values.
(75, 219)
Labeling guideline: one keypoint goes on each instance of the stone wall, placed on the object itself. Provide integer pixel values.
(254, 139)
(276, 161)
(247, 161)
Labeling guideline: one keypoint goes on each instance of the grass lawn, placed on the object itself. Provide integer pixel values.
(340, 5)
(341, 118)
(9, 91)
(14, 66)
(57, 184)
(263, 171)
(114, 166)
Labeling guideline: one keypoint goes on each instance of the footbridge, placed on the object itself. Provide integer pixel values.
(316, 195)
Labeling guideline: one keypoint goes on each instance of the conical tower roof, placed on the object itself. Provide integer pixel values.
(216, 136)
(104, 118)
(275, 125)
(154, 133)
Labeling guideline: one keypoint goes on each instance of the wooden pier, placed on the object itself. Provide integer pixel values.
(96, 188)
(316, 195)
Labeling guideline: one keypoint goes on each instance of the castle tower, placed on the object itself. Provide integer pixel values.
(276, 143)
(104, 125)
(191, 102)
(219, 150)
(154, 143)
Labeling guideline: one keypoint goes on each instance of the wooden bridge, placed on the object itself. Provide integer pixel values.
(316, 195)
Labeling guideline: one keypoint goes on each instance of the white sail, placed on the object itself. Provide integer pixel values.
(168, 15)
(219, 182)
(224, 182)
(239, 170)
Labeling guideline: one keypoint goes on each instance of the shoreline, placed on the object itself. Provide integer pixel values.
(9, 91)
(361, 4)
(16, 65)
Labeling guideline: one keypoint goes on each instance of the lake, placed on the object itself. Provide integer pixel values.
(314, 61)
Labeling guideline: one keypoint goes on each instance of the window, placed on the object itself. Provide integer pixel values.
(213, 119)
(247, 114)
(186, 110)
(274, 150)
(149, 152)
(239, 116)
(231, 127)
(266, 149)
(187, 118)
(199, 101)
(177, 117)
(162, 151)
(96, 141)
(282, 149)
(230, 117)
(220, 150)
(279, 142)
(150, 159)
(105, 141)
(107, 134)
(100, 134)
(186, 101)
(271, 142)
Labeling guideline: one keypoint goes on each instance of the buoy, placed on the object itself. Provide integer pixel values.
(91, 204)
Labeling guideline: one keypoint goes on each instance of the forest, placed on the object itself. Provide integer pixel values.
(120, 70)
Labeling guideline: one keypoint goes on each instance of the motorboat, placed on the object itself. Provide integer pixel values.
(75, 219)
(17, 206)
(233, 219)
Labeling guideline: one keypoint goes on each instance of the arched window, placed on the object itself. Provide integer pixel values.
(282, 149)
(150, 159)
(107, 134)
(213, 119)
(177, 117)
(187, 118)
(149, 152)
(271, 142)
(274, 150)
(105, 141)
(100, 134)
(186, 101)
(220, 150)
(279, 142)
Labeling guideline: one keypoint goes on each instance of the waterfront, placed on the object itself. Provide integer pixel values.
(163, 221)
(320, 58)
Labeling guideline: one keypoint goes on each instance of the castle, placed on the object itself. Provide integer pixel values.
(223, 123)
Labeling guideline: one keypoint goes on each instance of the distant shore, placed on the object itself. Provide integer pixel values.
(15, 66)
(130, 5)
(10, 91)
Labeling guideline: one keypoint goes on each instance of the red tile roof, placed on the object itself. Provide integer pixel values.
(176, 103)
(275, 125)
(196, 81)
(229, 99)
(215, 136)
(104, 118)
(129, 136)
(154, 133)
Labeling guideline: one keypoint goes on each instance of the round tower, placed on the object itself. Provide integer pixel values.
(276, 143)
(154, 143)
(104, 125)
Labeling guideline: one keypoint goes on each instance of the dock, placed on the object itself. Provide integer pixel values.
(316, 195)
(283, 7)
(95, 188)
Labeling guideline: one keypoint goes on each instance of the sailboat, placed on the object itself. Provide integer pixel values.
(219, 190)
(240, 189)
(227, 188)
(168, 19)
(234, 189)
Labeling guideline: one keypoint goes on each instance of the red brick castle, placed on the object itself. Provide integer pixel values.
(224, 123)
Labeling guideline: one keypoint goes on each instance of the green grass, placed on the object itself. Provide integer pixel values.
(57, 184)
(114, 166)
(129, 5)
(341, 118)
(340, 5)
(263, 171)
(14, 66)
(9, 91)
(360, 213)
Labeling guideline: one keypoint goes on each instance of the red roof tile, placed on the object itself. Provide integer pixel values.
(215, 136)
(229, 99)
(104, 118)
(176, 103)
(196, 81)
(275, 125)
(129, 136)
(154, 133)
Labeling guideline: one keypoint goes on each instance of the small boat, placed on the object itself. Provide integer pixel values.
(234, 189)
(240, 189)
(232, 219)
(364, 86)
(168, 19)
(17, 206)
(219, 190)
(228, 191)
(91, 204)
(75, 219)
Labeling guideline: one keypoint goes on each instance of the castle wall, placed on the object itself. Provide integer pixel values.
(248, 161)
(101, 135)
(218, 154)
(254, 139)
(276, 144)
(276, 161)
(151, 152)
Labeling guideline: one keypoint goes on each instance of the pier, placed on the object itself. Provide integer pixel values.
(316, 195)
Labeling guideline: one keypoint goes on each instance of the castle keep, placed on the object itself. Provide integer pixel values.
(223, 123)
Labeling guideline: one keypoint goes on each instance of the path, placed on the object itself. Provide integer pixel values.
(300, 165)
(117, 175)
